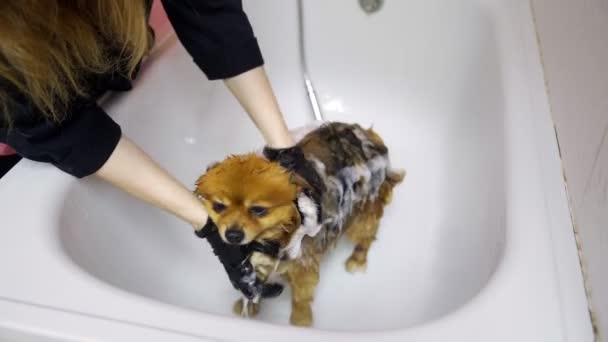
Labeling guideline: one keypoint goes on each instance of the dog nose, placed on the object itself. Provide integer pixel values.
(234, 235)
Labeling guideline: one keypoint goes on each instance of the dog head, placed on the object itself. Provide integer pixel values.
(249, 197)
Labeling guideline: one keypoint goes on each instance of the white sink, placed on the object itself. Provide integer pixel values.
(477, 244)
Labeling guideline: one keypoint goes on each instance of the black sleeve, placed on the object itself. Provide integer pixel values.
(78, 145)
(217, 34)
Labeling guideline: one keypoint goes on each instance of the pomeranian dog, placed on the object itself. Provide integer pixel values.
(250, 198)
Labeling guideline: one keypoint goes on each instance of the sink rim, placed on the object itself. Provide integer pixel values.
(565, 306)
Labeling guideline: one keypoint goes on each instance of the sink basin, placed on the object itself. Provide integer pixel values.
(441, 238)
(477, 244)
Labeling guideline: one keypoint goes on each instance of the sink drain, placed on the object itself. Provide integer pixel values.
(371, 6)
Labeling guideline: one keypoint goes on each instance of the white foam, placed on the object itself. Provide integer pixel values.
(310, 226)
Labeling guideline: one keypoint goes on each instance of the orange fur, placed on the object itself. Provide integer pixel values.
(242, 182)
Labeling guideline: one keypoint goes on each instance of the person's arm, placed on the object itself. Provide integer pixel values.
(220, 39)
(88, 142)
(132, 170)
(252, 89)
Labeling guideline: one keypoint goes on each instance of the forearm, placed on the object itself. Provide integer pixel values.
(132, 170)
(254, 92)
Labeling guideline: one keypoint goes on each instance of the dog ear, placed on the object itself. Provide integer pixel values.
(300, 182)
(198, 182)
(199, 195)
(212, 165)
(309, 201)
(314, 190)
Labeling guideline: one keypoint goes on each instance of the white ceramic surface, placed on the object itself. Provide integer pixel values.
(477, 244)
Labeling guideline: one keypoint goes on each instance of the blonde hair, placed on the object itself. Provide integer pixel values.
(47, 47)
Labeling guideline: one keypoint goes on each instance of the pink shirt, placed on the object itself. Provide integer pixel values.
(6, 150)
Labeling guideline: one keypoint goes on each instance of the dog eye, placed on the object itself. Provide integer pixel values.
(218, 207)
(258, 211)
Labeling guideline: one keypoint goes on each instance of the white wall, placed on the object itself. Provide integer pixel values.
(574, 42)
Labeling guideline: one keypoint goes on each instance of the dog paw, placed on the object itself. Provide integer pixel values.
(355, 266)
(301, 316)
(251, 310)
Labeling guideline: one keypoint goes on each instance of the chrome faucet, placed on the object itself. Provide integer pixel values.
(371, 6)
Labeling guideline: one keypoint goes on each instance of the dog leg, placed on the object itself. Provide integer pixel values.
(363, 233)
(251, 309)
(361, 230)
(303, 280)
(263, 264)
(363, 227)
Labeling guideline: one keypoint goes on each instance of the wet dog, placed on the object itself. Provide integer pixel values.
(253, 200)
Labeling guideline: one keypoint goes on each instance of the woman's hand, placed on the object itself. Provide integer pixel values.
(237, 263)
(132, 170)
(293, 159)
(253, 91)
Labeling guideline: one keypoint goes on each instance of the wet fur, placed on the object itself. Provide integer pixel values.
(242, 181)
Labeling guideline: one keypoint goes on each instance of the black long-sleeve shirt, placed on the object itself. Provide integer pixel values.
(216, 33)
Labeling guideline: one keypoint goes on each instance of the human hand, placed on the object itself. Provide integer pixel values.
(235, 259)
(293, 159)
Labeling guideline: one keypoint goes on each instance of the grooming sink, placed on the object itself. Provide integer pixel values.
(477, 244)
